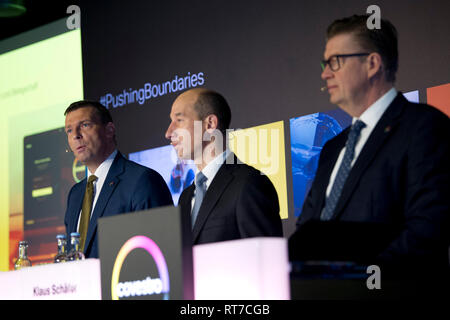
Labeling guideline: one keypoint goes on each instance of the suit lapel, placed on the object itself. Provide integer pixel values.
(220, 182)
(382, 131)
(185, 201)
(111, 182)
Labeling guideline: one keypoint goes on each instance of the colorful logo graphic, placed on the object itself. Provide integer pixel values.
(78, 170)
(147, 286)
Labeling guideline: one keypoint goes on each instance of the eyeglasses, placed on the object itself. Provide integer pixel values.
(334, 63)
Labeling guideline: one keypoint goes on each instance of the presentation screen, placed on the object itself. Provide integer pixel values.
(41, 75)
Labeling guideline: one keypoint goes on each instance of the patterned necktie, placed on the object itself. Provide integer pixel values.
(86, 210)
(200, 190)
(343, 171)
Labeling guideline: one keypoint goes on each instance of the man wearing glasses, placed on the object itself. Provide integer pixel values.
(392, 165)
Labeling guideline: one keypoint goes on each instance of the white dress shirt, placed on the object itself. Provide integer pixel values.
(211, 170)
(100, 173)
(370, 117)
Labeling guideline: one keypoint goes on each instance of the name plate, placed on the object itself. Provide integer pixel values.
(70, 280)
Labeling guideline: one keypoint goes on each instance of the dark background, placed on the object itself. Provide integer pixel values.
(263, 56)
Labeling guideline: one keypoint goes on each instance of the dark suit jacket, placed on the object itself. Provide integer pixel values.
(128, 187)
(240, 203)
(401, 178)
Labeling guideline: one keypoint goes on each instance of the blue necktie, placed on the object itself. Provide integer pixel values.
(200, 190)
(344, 169)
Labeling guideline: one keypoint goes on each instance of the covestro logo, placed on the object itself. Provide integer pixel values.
(147, 286)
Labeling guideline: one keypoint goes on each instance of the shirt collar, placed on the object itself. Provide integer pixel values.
(213, 167)
(103, 169)
(371, 116)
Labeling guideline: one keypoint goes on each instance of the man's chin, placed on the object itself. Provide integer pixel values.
(334, 99)
(82, 159)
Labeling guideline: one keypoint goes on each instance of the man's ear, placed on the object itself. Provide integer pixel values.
(110, 129)
(211, 123)
(374, 64)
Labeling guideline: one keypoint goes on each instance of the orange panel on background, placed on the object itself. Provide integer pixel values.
(439, 97)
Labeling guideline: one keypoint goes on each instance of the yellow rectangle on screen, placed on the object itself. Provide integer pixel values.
(263, 148)
(42, 192)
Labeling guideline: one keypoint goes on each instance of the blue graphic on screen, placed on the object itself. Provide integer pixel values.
(308, 135)
(412, 96)
(178, 174)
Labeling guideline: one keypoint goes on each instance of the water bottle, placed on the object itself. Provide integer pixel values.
(75, 253)
(61, 256)
(22, 261)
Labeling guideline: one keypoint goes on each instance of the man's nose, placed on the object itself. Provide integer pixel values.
(77, 134)
(169, 131)
(326, 73)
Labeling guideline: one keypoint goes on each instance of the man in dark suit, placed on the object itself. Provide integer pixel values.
(227, 200)
(114, 184)
(391, 167)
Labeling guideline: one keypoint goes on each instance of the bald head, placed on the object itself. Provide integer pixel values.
(206, 102)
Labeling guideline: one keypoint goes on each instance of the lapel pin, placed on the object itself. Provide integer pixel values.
(111, 183)
(387, 129)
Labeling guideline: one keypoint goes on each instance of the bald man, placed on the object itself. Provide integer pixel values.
(227, 200)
